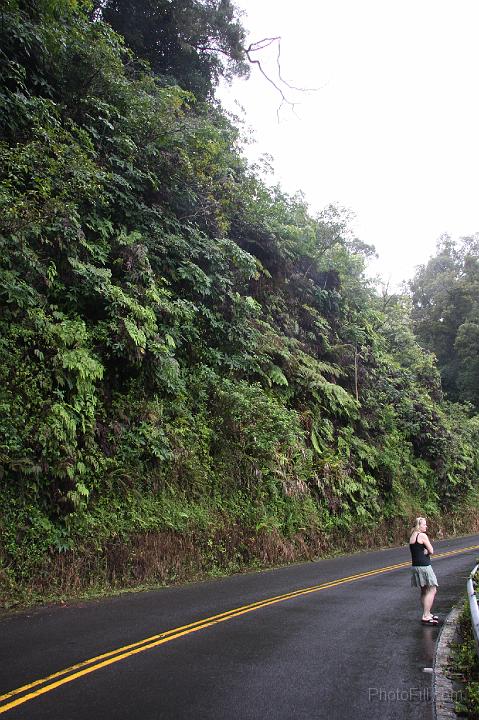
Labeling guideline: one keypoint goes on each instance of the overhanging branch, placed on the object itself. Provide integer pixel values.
(261, 45)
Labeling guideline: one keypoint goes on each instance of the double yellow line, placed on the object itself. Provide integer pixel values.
(44, 685)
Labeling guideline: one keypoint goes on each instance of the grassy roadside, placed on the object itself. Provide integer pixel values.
(162, 558)
(464, 667)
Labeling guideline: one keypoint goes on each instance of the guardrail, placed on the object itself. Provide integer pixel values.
(471, 594)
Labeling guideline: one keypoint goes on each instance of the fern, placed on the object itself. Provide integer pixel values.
(315, 442)
(277, 376)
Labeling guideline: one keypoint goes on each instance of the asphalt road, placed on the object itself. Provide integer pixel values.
(337, 646)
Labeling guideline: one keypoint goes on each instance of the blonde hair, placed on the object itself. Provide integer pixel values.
(417, 522)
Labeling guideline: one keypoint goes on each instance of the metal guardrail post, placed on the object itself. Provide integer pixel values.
(471, 594)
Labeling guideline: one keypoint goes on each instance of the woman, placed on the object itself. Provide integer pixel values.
(422, 573)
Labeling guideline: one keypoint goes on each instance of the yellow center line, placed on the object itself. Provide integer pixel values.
(86, 667)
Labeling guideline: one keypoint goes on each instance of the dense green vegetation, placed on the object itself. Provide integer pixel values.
(186, 353)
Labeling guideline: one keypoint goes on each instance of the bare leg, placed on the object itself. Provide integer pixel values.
(428, 594)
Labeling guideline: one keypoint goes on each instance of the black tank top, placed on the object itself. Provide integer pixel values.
(417, 554)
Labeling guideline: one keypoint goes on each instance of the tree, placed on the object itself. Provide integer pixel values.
(445, 296)
(191, 43)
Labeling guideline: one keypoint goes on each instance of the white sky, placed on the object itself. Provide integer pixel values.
(393, 131)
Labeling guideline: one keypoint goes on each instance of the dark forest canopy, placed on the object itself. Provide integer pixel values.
(182, 346)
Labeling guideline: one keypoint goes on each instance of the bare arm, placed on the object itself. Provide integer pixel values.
(425, 541)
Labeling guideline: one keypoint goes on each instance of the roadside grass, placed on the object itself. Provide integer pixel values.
(178, 542)
(464, 667)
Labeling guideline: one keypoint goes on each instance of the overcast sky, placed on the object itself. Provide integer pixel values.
(393, 130)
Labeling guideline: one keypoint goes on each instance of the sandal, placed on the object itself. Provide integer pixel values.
(432, 621)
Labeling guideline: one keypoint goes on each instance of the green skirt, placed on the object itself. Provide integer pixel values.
(423, 576)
